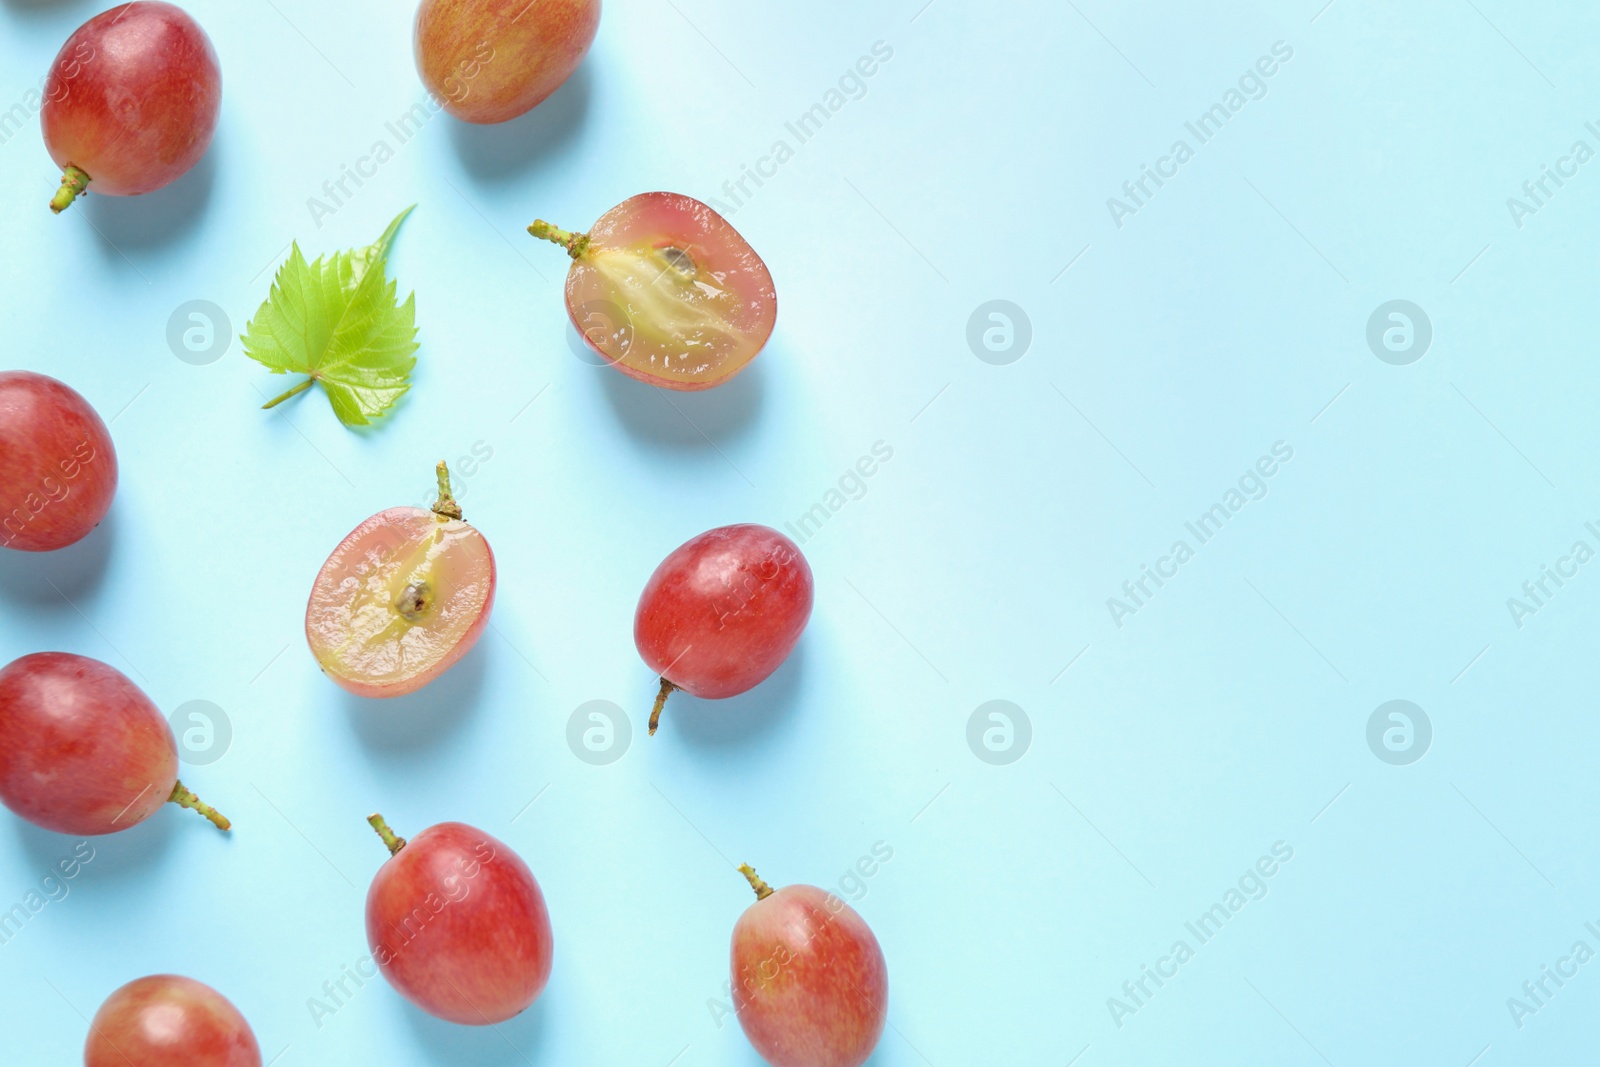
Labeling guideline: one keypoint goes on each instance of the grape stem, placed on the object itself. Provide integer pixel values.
(74, 183)
(661, 702)
(445, 507)
(576, 244)
(281, 397)
(390, 838)
(184, 799)
(763, 890)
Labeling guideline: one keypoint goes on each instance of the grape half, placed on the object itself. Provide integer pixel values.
(166, 1020)
(404, 596)
(131, 101)
(667, 291)
(58, 471)
(722, 612)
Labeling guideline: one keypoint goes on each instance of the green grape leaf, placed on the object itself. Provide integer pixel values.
(337, 321)
(361, 258)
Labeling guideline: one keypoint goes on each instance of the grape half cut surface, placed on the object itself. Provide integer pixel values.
(401, 599)
(667, 291)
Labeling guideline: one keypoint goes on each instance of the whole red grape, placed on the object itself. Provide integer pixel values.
(809, 982)
(82, 749)
(722, 612)
(58, 471)
(667, 291)
(458, 925)
(167, 1020)
(492, 60)
(403, 597)
(131, 101)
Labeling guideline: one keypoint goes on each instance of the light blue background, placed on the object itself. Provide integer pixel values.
(1168, 754)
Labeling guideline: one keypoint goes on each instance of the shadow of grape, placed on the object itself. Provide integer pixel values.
(743, 719)
(46, 9)
(701, 420)
(508, 150)
(131, 224)
(419, 722)
(52, 579)
(515, 1041)
(115, 856)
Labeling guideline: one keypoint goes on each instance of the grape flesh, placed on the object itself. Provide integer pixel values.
(58, 471)
(131, 101)
(667, 291)
(82, 750)
(403, 597)
(165, 1020)
(457, 924)
(723, 611)
(492, 60)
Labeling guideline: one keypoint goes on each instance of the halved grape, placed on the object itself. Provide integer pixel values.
(668, 291)
(403, 597)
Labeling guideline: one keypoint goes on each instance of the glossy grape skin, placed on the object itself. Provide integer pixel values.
(810, 984)
(82, 749)
(354, 622)
(459, 927)
(724, 610)
(58, 470)
(132, 98)
(166, 1020)
(489, 61)
(668, 292)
